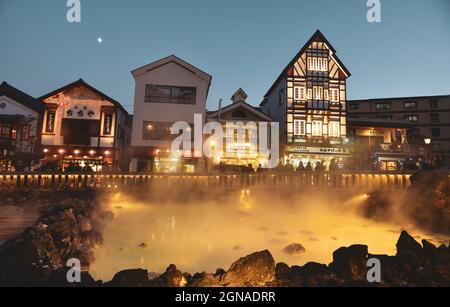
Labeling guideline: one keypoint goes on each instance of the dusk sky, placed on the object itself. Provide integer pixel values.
(240, 43)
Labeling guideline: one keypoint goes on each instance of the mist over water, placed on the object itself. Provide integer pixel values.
(215, 230)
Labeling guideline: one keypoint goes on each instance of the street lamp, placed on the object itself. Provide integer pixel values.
(427, 141)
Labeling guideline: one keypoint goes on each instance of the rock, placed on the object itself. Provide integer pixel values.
(143, 245)
(171, 278)
(430, 251)
(282, 271)
(350, 262)
(219, 272)
(130, 278)
(316, 275)
(204, 280)
(407, 243)
(58, 278)
(294, 249)
(256, 269)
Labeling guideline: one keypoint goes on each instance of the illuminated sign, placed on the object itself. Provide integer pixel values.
(317, 150)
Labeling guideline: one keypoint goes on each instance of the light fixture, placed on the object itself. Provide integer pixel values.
(76, 151)
(149, 127)
(91, 152)
(107, 153)
(61, 151)
(427, 141)
(46, 150)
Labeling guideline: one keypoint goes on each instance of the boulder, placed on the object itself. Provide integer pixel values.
(294, 249)
(407, 243)
(351, 262)
(256, 269)
(58, 278)
(204, 280)
(282, 271)
(130, 278)
(171, 278)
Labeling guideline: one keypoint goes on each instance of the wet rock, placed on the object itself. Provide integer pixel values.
(171, 278)
(407, 243)
(130, 278)
(58, 278)
(256, 269)
(204, 280)
(350, 262)
(294, 249)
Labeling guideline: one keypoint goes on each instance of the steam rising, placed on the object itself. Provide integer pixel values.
(201, 231)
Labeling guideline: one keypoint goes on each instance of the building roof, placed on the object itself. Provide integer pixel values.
(21, 97)
(172, 59)
(400, 98)
(10, 119)
(317, 36)
(376, 122)
(243, 104)
(82, 83)
(241, 92)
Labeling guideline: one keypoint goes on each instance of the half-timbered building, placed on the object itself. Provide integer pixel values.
(309, 100)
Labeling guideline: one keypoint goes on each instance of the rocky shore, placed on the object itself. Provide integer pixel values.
(70, 227)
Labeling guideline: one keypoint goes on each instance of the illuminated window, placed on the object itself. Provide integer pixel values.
(412, 118)
(325, 64)
(299, 93)
(334, 95)
(50, 122)
(309, 93)
(410, 105)
(317, 128)
(383, 106)
(325, 94)
(334, 129)
(317, 64)
(299, 127)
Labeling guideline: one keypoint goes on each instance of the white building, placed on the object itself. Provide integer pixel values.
(20, 124)
(167, 91)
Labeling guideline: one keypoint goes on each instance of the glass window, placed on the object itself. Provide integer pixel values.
(334, 129)
(435, 132)
(412, 118)
(170, 94)
(354, 106)
(299, 127)
(434, 104)
(434, 117)
(410, 105)
(334, 95)
(383, 106)
(156, 131)
(317, 128)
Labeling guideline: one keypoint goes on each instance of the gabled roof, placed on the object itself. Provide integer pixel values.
(172, 59)
(241, 92)
(82, 83)
(244, 105)
(21, 97)
(317, 36)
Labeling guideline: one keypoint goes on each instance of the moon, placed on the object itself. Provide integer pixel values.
(100, 40)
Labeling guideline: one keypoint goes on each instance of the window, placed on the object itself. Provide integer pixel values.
(281, 97)
(50, 122)
(325, 94)
(107, 124)
(412, 118)
(434, 104)
(334, 129)
(410, 105)
(4, 130)
(156, 131)
(317, 128)
(310, 93)
(317, 92)
(317, 63)
(25, 133)
(299, 127)
(434, 117)
(334, 95)
(170, 94)
(354, 106)
(383, 106)
(299, 93)
(239, 114)
(436, 132)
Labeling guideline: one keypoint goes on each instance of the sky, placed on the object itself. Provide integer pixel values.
(241, 43)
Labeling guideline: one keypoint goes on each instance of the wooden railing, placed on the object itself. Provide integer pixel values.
(345, 180)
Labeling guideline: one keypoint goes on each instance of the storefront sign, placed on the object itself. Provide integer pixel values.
(317, 150)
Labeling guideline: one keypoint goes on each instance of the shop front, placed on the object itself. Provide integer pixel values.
(296, 154)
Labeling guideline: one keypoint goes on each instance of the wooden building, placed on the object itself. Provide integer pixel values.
(309, 99)
(86, 128)
(20, 124)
